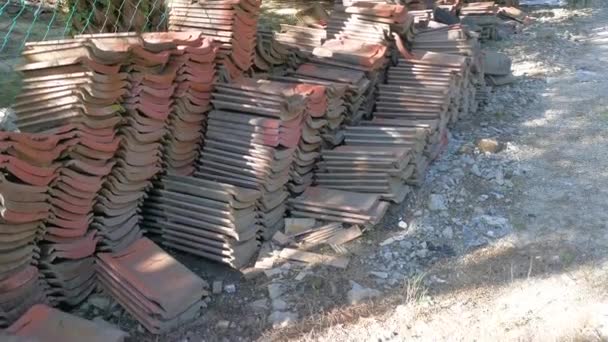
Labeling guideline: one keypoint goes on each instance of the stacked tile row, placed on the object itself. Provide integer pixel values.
(146, 109)
(206, 218)
(369, 22)
(43, 323)
(251, 137)
(456, 40)
(75, 97)
(27, 167)
(193, 58)
(233, 23)
(362, 168)
(272, 56)
(338, 206)
(151, 285)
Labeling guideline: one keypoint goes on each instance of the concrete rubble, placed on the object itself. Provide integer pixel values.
(221, 137)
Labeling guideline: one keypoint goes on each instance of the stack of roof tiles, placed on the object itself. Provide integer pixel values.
(307, 153)
(74, 95)
(231, 22)
(345, 91)
(369, 21)
(193, 57)
(42, 323)
(206, 218)
(147, 106)
(28, 167)
(376, 169)
(482, 16)
(338, 206)
(251, 138)
(272, 56)
(151, 285)
(456, 40)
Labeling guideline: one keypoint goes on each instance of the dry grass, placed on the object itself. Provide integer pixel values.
(411, 293)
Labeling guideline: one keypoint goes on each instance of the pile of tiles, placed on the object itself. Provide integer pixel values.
(42, 323)
(151, 285)
(408, 137)
(307, 152)
(456, 40)
(345, 89)
(194, 59)
(362, 168)
(356, 55)
(369, 22)
(75, 98)
(481, 17)
(206, 218)
(338, 206)
(272, 56)
(147, 106)
(27, 168)
(233, 23)
(251, 138)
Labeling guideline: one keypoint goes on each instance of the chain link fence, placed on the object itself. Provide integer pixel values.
(22, 21)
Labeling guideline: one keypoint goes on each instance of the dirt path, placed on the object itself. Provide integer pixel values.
(540, 272)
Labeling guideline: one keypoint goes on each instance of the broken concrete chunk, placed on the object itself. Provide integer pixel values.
(281, 239)
(496, 63)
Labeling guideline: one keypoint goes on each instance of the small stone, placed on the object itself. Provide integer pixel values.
(475, 170)
(358, 293)
(259, 305)
(279, 304)
(448, 233)
(223, 324)
(230, 288)
(437, 202)
(275, 290)
(382, 275)
(489, 146)
(280, 319)
(216, 287)
(402, 224)
(140, 328)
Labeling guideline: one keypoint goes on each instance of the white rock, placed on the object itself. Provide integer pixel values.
(358, 293)
(448, 233)
(279, 304)
(437, 202)
(230, 288)
(280, 319)
(223, 324)
(402, 224)
(259, 305)
(382, 275)
(475, 170)
(275, 290)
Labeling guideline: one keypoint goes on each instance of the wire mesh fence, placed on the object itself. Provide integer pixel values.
(22, 21)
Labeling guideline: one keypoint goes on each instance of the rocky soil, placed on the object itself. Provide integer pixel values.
(506, 239)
